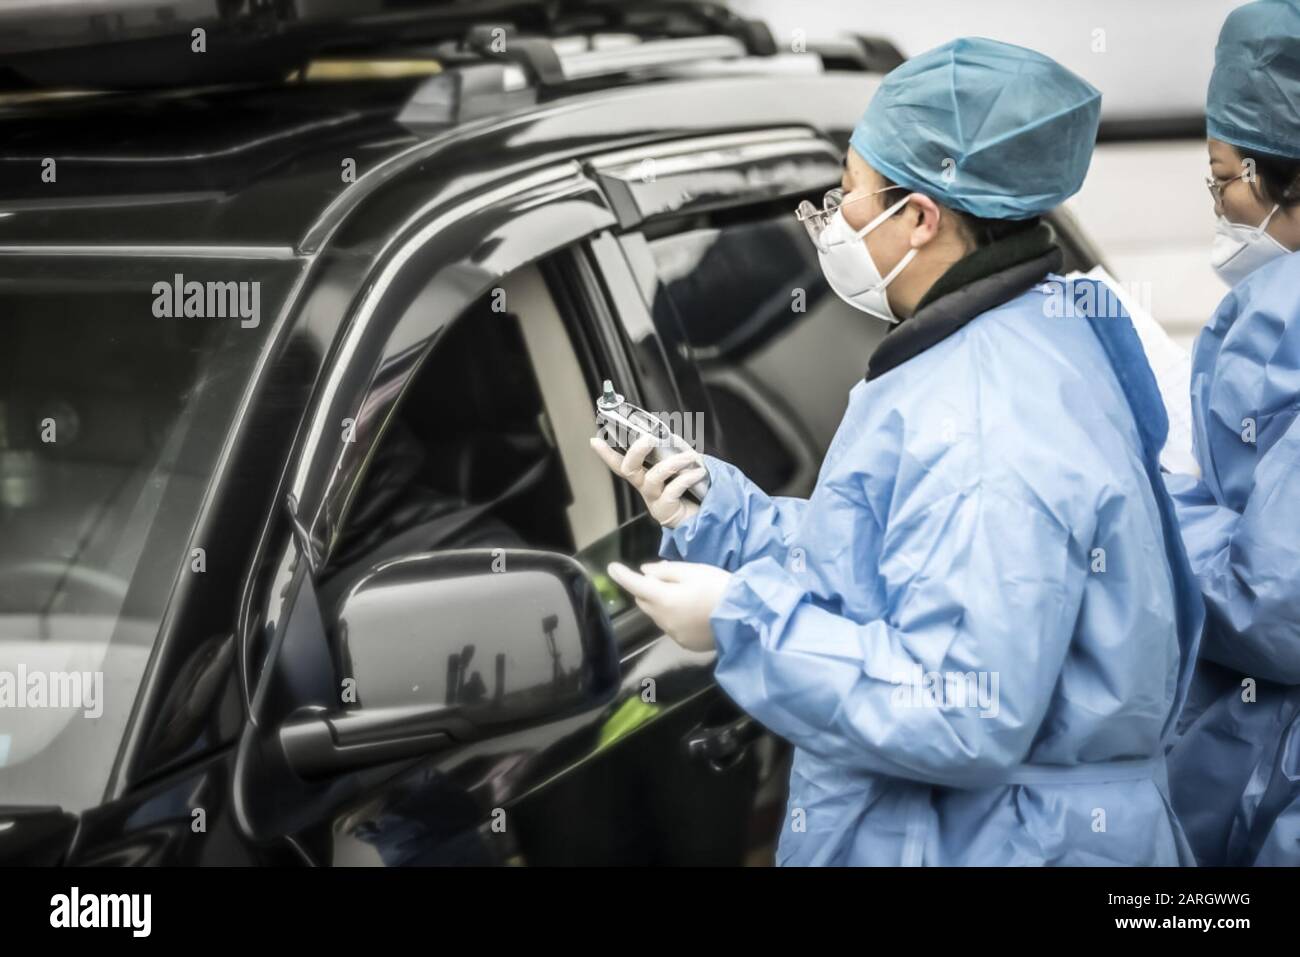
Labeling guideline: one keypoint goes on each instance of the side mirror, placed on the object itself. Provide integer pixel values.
(451, 647)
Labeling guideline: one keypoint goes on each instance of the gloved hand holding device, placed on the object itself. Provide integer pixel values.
(668, 473)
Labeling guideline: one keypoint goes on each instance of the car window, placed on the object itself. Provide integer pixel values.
(743, 295)
(489, 448)
(113, 412)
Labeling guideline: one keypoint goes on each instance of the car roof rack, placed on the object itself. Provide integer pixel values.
(668, 19)
(514, 77)
(495, 67)
(672, 31)
(550, 67)
(135, 44)
(76, 44)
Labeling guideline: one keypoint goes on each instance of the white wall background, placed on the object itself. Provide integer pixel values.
(1156, 59)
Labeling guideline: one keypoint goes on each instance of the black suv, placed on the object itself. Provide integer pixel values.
(301, 542)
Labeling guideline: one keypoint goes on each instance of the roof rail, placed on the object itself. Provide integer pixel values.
(550, 61)
(511, 77)
(653, 53)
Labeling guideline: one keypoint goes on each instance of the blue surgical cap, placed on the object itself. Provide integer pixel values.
(1254, 99)
(984, 127)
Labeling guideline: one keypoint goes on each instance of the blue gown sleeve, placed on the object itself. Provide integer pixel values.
(977, 583)
(737, 523)
(1248, 565)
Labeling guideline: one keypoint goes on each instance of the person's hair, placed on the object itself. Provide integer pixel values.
(982, 232)
(1277, 179)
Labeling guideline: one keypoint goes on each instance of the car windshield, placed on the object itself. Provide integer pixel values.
(114, 408)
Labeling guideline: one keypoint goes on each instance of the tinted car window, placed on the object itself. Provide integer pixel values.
(113, 414)
(733, 285)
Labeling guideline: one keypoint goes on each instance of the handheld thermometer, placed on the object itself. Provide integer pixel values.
(620, 423)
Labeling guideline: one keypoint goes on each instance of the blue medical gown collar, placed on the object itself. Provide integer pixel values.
(941, 318)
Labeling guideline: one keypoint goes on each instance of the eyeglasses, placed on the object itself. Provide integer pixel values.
(1215, 186)
(816, 220)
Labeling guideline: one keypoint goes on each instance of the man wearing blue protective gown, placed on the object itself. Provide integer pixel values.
(1235, 772)
(978, 630)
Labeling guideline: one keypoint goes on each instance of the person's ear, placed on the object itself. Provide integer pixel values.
(923, 215)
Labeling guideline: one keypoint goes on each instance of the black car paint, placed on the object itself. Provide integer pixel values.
(281, 196)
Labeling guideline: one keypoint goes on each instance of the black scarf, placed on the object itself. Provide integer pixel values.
(973, 285)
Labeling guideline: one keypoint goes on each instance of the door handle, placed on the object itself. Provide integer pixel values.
(722, 746)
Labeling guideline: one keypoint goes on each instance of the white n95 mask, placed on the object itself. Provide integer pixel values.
(849, 269)
(1239, 250)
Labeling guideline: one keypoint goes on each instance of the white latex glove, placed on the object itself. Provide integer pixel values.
(663, 484)
(679, 597)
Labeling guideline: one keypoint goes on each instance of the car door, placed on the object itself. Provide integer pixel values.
(615, 784)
